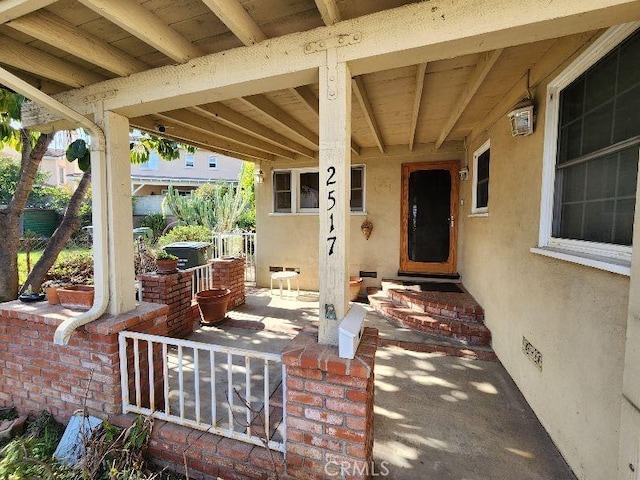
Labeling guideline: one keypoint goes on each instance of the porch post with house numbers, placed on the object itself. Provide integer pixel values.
(335, 187)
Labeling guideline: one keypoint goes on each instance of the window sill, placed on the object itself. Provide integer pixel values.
(614, 265)
(478, 214)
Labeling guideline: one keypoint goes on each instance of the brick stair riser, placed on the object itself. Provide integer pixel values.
(473, 334)
(418, 306)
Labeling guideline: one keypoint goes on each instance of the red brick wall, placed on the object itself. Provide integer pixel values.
(329, 408)
(37, 374)
(229, 273)
(173, 290)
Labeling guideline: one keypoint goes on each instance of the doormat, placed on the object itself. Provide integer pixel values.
(437, 287)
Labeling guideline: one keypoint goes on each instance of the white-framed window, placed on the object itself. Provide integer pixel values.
(61, 175)
(591, 152)
(189, 160)
(480, 186)
(213, 162)
(152, 163)
(298, 190)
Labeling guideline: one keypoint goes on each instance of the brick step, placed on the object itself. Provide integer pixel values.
(475, 352)
(459, 306)
(465, 333)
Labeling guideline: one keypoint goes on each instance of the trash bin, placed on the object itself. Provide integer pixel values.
(190, 254)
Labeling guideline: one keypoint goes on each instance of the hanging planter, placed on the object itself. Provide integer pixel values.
(366, 228)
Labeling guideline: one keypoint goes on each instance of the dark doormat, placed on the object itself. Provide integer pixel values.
(437, 287)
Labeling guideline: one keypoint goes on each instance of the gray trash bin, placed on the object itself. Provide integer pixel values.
(190, 254)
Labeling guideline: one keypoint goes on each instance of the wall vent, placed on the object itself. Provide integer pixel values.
(368, 274)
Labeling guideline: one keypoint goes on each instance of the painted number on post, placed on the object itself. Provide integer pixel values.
(331, 170)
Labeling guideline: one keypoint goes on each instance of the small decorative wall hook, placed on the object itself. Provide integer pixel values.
(367, 228)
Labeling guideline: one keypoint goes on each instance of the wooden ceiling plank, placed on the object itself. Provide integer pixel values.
(417, 100)
(328, 11)
(308, 98)
(141, 23)
(30, 59)
(473, 84)
(51, 29)
(281, 117)
(12, 9)
(230, 117)
(237, 19)
(361, 94)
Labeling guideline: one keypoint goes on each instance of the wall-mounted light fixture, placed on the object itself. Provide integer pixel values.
(521, 118)
(258, 176)
(464, 173)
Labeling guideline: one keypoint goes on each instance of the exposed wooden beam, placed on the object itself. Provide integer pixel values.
(230, 117)
(11, 9)
(328, 11)
(385, 43)
(30, 59)
(236, 18)
(192, 117)
(307, 97)
(417, 100)
(282, 118)
(177, 131)
(363, 99)
(476, 78)
(55, 31)
(141, 23)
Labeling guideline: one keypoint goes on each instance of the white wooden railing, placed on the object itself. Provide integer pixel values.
(237, 244)
(202, 279)
(185, 367)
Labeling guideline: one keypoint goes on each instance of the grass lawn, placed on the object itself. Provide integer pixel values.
(36, 254)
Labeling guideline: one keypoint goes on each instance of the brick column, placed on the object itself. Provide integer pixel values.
(173, 290)
(229, 273)
(329, 408)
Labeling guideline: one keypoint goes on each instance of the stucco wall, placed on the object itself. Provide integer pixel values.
(287, 240)
(574, 315)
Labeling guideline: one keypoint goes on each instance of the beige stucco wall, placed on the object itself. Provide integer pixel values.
(286, 240)
(574, 315)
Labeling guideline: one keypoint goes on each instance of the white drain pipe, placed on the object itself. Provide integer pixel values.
(99, 202)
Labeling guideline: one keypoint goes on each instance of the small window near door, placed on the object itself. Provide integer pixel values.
(282, 192)
(213, 162)
(189, 161)
(481, 159)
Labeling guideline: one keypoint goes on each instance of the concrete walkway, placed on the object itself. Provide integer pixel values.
(436, 417)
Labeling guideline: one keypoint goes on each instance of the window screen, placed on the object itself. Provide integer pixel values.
(482, 179)
(282, 191)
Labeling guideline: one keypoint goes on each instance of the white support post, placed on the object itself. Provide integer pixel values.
(120, 213)
(335, 187)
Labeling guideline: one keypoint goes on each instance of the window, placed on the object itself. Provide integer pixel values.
(481, 158)
(592, 143)
(61, 175)
(298, 190)
(189, 161)
(213, 162)
(152, 163)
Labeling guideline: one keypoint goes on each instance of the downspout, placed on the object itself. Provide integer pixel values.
(99, 201)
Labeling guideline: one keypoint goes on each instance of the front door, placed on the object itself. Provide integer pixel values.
(429, 217)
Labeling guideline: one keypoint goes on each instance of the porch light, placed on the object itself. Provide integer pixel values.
(521, 118)
(258, 177)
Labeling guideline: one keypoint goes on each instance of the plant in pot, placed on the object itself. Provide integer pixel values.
(165, 262)
(78, 297)
(50, 288)
(213, 305)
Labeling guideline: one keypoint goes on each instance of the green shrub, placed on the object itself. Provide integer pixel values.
(185, 233)
(156, 222)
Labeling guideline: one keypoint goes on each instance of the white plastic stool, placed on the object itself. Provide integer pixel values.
(280, 276)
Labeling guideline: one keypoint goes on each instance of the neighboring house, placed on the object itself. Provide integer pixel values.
(60, 170)
(151, 180)
(399, 115)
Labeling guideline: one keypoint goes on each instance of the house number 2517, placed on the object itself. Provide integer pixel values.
(331, 239)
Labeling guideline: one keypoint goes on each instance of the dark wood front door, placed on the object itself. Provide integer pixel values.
(429, 217)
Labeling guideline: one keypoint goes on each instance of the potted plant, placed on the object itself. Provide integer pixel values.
(213, 304)
(166, 262)
(50, 288)
(76, 296)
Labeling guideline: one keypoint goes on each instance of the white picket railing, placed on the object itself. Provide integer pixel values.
(237, 244)
(202, 278)
(184, 378)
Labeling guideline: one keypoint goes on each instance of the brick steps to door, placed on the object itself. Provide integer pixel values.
(441, 334)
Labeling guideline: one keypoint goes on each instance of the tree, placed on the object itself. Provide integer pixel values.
(9, 177)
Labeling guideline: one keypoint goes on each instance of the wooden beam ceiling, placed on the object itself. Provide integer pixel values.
(234, 119)
(146, 26)
(12, 9)
(308, 98)
(328, 11)
(236, 18)
(51, 29)
(30, 59)
(363, 99)
(476, 78)
(417, 100)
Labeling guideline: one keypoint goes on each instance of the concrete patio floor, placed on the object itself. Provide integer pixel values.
(436, 417)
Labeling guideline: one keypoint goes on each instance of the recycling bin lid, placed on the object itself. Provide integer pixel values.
(195, 245)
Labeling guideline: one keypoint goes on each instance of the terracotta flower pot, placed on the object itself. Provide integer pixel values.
(52, 295)
(76, 296)
(354, 287)
(167, 266)
(213, 305)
